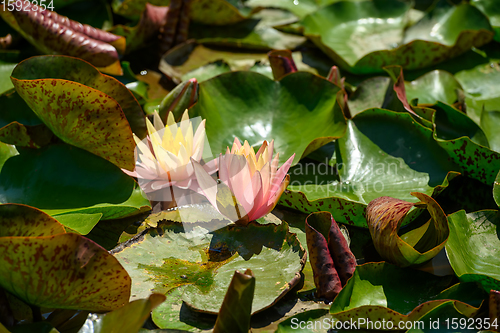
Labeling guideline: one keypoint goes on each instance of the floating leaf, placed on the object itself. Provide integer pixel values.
(473, 247)
(79, 223)
(203, 263)
(446, 31)
(55, 34)
(253, 107)
(81, 115)
(69, 179)
(25, 221)
(384, 217)
(254, 33)
(234, 315)
(380, 291)
(432, 87)
(218, 12)
(491, 9)
(383, 153)
(19, 125)
(127, 319)
(64, 271)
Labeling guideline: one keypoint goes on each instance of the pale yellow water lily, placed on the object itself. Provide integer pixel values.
(164, 157)
(254, 180)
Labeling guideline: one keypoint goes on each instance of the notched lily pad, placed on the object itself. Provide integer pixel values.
(65, 271)
(380, 291)
(164, 258)
(364, 36)
(473, 247)
(78, 114)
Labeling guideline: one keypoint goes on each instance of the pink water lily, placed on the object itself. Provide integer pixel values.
(253, 180)
(164, 157)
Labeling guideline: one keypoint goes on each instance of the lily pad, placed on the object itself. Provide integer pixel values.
(69, 179)
(473, 247)
(37, 258)
(254, 33)
(496, 190)
(79, 223)
(364, 36)
(78, 114)
(435, 86)
(25, 221)
(165, 258)
(219, 12)
(253, 107)
(298, 7)
(491, 9)
(19, 125)
(383, 153)
(383, 291)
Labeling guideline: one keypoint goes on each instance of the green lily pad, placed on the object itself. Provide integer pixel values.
(6, 152)
(79, 223)
(69, 179)
(299, 8)
(254, 33)
(364, 36)
(491, 9)
(383, 153)
(165, 258)
(435, 86)
(79, 114)
(383, 291)
(473, 247)
(253, 107)
(129, 318)
(219, 12)
(192, 60)
(5, 70)
(490, 122)
(480, 89)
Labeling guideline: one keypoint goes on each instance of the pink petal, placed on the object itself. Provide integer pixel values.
(280, 175)
(207, 184)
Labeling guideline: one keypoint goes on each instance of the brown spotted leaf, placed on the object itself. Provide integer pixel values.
(81, 116)
(25, 221)
(55, 34)
(385, 216)
(331, 259)
(77, 70)
(65, 271)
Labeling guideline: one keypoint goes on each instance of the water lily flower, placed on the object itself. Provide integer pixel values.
(164, 157)
(250, 184)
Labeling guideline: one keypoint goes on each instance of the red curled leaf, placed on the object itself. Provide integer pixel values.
(331, 259)
(52, 33)
(385, 215)
(152, 19)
